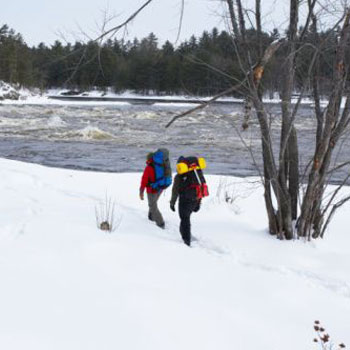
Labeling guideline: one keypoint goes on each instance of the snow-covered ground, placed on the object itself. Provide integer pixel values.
(7, 91)
(67, 285)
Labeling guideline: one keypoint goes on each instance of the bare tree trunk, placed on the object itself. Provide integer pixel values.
(247, 113)
(233, 18)
(310, 221)
(288, 174)
(271, 213)
(314, 80)
(293, 172)
(258, 25)
(270, 172)
(241, 20)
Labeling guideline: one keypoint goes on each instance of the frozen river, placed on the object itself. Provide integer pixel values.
(116, 138)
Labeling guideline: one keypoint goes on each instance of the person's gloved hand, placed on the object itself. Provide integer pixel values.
(141, 195)
(172, 207)
(198, 206)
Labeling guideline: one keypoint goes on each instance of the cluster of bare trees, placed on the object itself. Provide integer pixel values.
(296, 206)
(281, 174)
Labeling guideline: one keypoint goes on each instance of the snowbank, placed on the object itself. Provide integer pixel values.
(27, 97)
(67, 285)
(8, 92)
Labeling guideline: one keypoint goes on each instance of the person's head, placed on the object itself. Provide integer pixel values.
(149, 156)
(180, 159)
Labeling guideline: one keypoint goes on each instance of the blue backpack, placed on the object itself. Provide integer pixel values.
(162, 169)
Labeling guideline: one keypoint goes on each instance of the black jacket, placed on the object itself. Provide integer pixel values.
(175, 189)
(182, 187)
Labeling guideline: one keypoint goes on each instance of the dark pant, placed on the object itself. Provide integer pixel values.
(186, 207)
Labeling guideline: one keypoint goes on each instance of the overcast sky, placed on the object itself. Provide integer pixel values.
(45, 20)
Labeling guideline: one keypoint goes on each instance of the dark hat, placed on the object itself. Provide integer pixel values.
(180, 159)
(149, 156)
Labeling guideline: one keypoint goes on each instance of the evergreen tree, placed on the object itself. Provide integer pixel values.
(203, 66)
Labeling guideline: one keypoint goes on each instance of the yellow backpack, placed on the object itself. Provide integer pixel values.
(185, 167)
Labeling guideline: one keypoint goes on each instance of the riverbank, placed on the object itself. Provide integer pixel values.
(71, 97)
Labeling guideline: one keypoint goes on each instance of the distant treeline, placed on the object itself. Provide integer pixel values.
(202, 65)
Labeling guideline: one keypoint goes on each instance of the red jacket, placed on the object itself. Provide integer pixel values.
(148, 177)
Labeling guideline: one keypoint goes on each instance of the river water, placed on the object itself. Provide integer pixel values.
(116, 138)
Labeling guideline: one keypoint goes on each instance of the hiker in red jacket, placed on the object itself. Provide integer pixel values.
(153, 195)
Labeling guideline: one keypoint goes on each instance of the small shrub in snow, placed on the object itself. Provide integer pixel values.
(106, 219)
(228, 193)
(223, 189)
(105, 226)
(323, 338)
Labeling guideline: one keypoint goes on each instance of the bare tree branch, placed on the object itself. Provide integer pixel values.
(233, 18)
(334, 208)
(125, 23)
(207, 103)
(180, 20)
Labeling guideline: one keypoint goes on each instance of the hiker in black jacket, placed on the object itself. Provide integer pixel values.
(184, 188)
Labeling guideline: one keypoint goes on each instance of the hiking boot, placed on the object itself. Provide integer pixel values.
(150, 217)
(187, 242)
(162, 225)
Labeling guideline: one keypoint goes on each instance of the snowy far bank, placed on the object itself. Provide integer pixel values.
(108, 97)
(67, 285)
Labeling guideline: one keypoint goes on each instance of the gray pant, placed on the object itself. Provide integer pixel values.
(154, 213)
